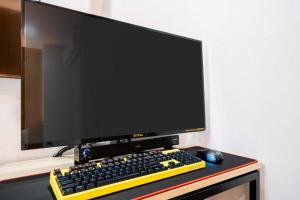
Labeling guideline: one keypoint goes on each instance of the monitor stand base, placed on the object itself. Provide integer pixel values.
(84, 154)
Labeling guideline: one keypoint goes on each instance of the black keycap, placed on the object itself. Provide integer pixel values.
(164, 168)
(122, 169)
(73, 176)
(177, 165)
(89, 173)
(128, 171)
(77, 180)
(157, 169)
(115, 175)
(146, 167)
(198, 159)
(135, 166)
(104, 166)
(172, 166)
(90, 186)
(66, 182)
(110, 164)
(108, 172)
(67, 191)
(108, 177)
(141, 168)
(171, 163)
(84, 183)
(133, 175)
(123, 166)
(188, 162)
(63, 178)
(122, 173)
(100, 183)
(110, 169)
(79, 188)
(72, 185)
(140, 162)
(85, 178)
(92, 180)
(143, 173)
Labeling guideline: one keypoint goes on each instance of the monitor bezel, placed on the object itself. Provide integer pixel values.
(48, 144)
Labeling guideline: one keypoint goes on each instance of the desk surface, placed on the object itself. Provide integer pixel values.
(37, 187)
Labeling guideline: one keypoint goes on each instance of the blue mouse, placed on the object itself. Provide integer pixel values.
(210, 155)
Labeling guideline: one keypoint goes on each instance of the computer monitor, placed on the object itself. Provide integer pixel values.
(89, 79)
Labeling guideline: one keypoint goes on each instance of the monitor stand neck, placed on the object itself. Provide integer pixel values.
(86, 153)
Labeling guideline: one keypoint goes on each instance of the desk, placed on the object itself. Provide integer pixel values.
(199, 184)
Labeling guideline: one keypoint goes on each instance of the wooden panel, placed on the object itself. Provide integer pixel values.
(10, 38)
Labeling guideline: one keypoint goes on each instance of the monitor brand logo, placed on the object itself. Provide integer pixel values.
(135, 135)
(194, 129)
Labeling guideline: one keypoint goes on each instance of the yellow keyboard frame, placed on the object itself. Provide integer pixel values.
(122, 185)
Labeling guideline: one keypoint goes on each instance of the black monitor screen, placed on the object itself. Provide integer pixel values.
(92, 78)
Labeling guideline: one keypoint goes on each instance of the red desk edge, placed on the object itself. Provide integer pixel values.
(193, 181)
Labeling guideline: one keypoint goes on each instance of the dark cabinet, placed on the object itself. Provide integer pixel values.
(10, 38)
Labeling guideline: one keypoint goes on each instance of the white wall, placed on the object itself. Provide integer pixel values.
(10, 124)
(253, 66)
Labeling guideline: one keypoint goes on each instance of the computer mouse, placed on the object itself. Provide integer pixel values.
(210, 155)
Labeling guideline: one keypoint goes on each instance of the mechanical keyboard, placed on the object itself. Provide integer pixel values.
(110, 175)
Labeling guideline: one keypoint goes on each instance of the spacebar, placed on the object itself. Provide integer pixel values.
(117, 179)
